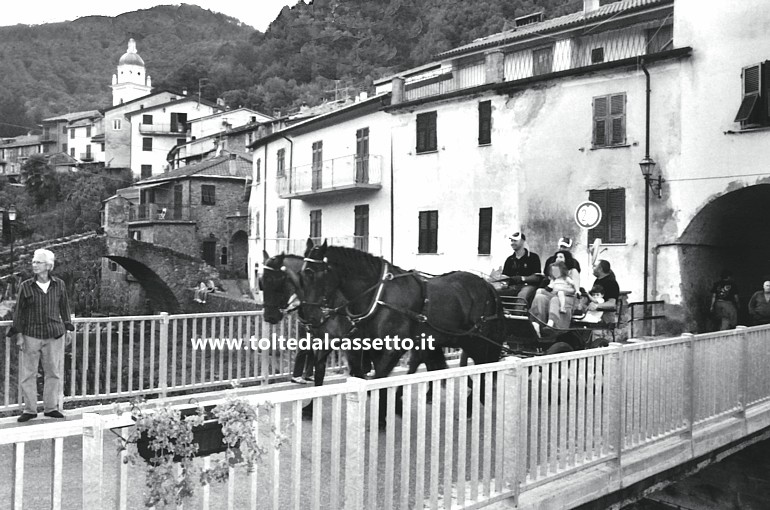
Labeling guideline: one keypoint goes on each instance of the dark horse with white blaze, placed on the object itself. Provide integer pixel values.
(458, 309)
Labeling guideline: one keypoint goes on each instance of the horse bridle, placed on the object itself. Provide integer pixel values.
(294, 301)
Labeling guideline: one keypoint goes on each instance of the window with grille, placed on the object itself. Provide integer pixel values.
(612, 228)
(147, 119)
(208, 194)
(147, 144)
(116, 125)
(428, 240)
(426, 132)
(542, 61)
(280, 163)
(485, 231)
(485, 122)
(609, 117)
(315, 224)
(223, 256)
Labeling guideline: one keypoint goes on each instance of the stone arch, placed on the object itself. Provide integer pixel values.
(730, 232)
(239, 253)
(160, 295)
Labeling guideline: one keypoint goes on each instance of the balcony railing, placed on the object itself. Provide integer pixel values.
(336, 175)
(163, 129)
(86, 156)
(296, 246)
(159, 212)
(574, 53)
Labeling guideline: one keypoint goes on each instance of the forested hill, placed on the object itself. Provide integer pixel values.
(306, 52)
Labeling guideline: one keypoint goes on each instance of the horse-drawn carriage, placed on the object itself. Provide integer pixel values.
(524, 339)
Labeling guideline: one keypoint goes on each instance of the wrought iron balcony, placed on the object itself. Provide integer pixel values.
(86, 156)
(159, 212)
(163, 129)
(338, 175)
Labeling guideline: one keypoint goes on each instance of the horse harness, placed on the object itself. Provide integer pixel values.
(421, 317)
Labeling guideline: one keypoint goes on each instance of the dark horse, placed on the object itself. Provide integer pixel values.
(280, 281)
(458, 309)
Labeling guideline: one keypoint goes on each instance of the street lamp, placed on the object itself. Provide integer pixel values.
(11, 218)
(647, 166)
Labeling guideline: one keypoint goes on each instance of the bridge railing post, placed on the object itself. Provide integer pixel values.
(93, 459)
(355, 447)
(688, 388)
(514, 384)
(743, 389)
(617, 403)
(163, 355)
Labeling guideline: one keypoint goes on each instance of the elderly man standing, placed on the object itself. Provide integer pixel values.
(41, 317)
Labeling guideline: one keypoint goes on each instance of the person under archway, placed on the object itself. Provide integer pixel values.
(759, 305)
(725, 302)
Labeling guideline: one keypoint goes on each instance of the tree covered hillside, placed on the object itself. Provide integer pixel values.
(307, 52)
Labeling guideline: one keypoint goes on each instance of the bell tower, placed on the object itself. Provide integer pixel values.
(131, 81)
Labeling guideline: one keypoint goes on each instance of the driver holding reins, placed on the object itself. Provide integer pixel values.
(522, 269)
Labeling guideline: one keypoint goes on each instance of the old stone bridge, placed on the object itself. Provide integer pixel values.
(106, 274)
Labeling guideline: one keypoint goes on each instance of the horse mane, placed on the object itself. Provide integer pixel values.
(354, 261)
(280, 260)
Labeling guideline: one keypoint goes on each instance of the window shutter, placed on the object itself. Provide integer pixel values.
(485, 231)
(616, 212)
(434, 231)
(600, 231)
(751, 80)
(618, 116)
(423, 239)
(600, 121)
(485, 122)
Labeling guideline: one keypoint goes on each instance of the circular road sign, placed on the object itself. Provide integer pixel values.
(588, 214)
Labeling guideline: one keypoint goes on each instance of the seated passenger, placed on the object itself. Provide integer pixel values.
(546, 306)
(596, 295)
(605, 278)
(522, 269)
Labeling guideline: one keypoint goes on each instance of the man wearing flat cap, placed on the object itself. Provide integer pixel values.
(522, 269)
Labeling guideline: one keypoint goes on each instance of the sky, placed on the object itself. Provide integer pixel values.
(257, 13)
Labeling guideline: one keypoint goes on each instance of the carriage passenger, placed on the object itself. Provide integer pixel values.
(546, 306)
(605, 278)
(522, 269)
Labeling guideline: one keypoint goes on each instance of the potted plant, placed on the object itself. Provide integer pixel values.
(165, 437)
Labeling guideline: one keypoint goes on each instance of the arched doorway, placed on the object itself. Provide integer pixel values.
(239, 253)
(730, 232)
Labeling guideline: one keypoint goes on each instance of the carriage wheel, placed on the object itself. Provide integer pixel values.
(559, 347)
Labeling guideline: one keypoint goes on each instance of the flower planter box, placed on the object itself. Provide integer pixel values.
(207, 436)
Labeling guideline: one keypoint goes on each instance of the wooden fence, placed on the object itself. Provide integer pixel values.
(553, 431)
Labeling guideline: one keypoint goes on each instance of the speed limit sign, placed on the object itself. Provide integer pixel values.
(588, 214)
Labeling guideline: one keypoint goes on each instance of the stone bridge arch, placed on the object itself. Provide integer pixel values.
(730, 232)
(165, 275)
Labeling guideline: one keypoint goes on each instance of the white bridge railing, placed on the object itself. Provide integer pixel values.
(117, 357)
(554, 431)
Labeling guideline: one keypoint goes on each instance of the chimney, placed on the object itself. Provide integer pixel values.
(590, 6)
(232, 164)
(363, 96)
(397, 86)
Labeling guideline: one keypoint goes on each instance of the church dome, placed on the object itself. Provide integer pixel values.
(131, 57)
